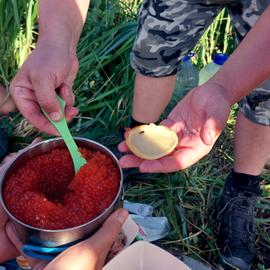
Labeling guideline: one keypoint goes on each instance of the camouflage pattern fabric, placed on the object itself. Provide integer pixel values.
(169, 29)
(256, 106)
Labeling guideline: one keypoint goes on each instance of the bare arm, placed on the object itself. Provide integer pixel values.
(52, 65)
(249, 65)
(201, 115)
(61, 21)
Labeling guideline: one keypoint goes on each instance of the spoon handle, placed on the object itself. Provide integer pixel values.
(63, 129)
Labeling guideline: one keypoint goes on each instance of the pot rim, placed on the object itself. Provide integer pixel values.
(22, 152)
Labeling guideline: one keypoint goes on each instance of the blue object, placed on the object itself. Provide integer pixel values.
(186, 59)
(38, 255)
(10, 265)
(220, 58)
(45, 253)
(191, 54)
(4, 139)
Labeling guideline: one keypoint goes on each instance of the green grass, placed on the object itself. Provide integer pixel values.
(218, 38)
(17, 20)
(103, 91)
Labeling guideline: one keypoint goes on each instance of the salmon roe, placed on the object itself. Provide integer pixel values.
(45, 193)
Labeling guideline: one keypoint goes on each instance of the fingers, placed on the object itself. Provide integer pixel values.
(74, 67)
(114, 223)
(7, 250)
(10, 156)
(91, 253)
(36, 140)
(7, 159)
(209, 132)
(164, 165)
(70, 113)
(26, 102)
(130, 161)
(109, 231)
(67, 94)
(122, 147)
(190, 150)
(214, 123)
(14, 239)
(176, 127)
(46, 96)
(3, 218)
(180, 160)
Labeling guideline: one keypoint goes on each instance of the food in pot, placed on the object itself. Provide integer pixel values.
(45, 193)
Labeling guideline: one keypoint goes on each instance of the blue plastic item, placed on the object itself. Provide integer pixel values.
(186, 59)
(42, 253)
(212, 68)
(45, 253)
(220, 58)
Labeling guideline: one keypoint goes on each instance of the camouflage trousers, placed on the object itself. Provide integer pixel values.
(169, 29)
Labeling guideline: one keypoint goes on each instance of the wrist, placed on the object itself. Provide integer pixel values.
(62, 43)
(60, 38)
(224, 90)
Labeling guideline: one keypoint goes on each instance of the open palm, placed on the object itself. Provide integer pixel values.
(198, 120)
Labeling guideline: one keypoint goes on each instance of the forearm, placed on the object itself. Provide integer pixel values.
(61, 21)
(249, 65)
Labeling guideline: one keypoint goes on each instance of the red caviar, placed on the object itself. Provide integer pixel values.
(44, 193)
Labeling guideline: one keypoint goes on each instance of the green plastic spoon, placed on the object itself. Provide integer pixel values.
(62, 128)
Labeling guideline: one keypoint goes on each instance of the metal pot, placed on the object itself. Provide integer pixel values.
(54, 238)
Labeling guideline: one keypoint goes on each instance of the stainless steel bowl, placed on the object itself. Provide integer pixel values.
(53, 238)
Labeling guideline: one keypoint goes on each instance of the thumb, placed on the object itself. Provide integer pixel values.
(13, 237)
(210, 131)
(46, 97)
(109, 231)
(175, 126)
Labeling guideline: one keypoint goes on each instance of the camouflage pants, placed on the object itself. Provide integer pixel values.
(169, 29)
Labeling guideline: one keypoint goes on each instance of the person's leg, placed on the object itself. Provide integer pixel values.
(251, 147)
(167, 31)
(151, 96)
(236, 230)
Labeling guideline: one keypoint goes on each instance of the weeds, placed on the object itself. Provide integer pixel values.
(103, 90)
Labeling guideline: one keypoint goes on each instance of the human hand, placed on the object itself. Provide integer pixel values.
(86, 255)
(49, 67)
(198, 120)
(7, 249)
